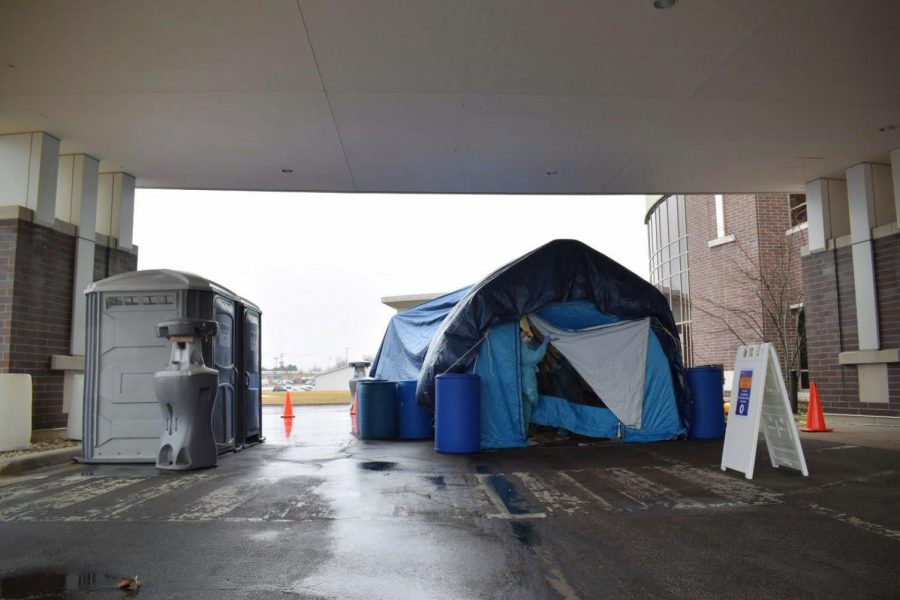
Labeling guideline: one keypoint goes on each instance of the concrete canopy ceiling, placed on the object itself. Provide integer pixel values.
(500, 96)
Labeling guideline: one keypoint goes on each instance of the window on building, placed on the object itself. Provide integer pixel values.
(798, 209)
(669, 264)
(720, 216)
(802, 367)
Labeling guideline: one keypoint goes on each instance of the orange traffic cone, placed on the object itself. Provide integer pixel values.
(288, 409)
(815, 419)
(354, 427)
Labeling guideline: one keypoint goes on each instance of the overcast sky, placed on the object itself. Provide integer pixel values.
(319, 264)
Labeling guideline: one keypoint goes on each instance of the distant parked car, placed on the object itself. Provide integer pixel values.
(288, 386)
(307, 388)
(278, 388)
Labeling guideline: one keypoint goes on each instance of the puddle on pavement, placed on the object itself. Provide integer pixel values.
(378, 465)
(439, 482)
(52, 585)
(515, 504)
(525, 533)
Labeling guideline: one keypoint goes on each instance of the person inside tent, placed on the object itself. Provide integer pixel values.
(530, 355)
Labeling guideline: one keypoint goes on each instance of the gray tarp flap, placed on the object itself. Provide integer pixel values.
(611, 359)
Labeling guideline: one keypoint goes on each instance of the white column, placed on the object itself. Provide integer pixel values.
(826, 212)
(870, 193)
(895, 168)
(720, 215)
(125, 222)
(28, 172)
(861, 194)
(115, 208)
(817, 214)
(77, 204)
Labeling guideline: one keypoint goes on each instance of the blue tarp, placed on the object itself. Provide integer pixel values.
(408, 335)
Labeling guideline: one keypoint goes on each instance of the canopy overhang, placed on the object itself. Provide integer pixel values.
(467, 96)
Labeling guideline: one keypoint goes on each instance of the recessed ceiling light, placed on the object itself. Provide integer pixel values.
(887, 128)
(287, 170)
(664, 3)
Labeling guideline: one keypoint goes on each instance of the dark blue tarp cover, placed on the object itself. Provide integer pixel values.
(558, 272)
(406, 340)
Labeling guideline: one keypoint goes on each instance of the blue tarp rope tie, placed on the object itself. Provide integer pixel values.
(466, 353)
(490, 358)
(663, 328)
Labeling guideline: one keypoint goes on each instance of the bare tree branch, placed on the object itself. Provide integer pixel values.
(775, 288)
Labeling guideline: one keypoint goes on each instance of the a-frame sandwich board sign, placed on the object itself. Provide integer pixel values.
(758, 397)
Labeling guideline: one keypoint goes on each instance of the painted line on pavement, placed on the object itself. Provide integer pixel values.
(825, 486)
(483, 482)
(875, 528)
(554, 499)
(586, 491)
(215, 504)
(23, 490)
(648, 493)
(134, 500)
(89, 490)
(737, 492)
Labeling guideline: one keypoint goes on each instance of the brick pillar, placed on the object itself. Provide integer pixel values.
(36, 309)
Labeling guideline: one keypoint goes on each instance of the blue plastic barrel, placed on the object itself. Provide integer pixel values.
(376, 410)
(705, 383)
(415, 421)
(457, 413)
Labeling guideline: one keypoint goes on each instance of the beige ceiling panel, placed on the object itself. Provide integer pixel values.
(63, 46)
(605, 47)
(818, 51)
(217, 141)
(499, 144)
(758, 146)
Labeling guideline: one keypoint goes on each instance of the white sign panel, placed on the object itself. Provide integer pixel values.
(758, 397)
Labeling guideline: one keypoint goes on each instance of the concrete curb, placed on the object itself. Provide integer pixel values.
(881, 421)
(18, 465)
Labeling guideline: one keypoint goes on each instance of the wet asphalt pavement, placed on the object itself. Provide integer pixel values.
(319, 514)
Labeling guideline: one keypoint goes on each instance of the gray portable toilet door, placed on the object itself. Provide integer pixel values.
(251, 349)
(128, 420)
(223, 361)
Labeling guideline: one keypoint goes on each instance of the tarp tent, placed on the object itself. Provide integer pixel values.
(614, 371)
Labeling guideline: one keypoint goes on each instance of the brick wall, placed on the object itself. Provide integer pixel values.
(726, 279)
(887, 280)
(831, 324)
(41, 315)
(37, 270)
(826, 309)
(8, 238)
(781, 269)
(720, 294)
(112, 261)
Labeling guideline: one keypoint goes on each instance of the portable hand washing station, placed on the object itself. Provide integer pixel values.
(186, 391)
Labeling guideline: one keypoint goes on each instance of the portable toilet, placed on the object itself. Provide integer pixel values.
(122, 419)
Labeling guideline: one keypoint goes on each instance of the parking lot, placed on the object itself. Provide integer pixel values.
(319, 514)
